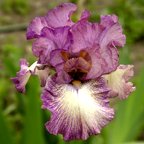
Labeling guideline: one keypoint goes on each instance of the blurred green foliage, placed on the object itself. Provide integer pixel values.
(15, 6)
(131, 13)
(21, 117)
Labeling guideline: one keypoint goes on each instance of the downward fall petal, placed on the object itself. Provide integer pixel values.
(77, 113)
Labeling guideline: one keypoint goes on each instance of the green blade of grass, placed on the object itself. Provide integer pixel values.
(5, 136)
(33, 126)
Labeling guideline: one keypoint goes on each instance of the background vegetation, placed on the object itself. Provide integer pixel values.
(21, 117)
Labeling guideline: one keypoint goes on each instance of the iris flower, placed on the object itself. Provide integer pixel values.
(87, 74)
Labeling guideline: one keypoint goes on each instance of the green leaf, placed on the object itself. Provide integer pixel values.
(5, 135)
(33, 126)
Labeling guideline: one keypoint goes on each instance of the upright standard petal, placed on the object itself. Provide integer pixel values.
(108, 20)
(42, 48)
(110, 38)
(112, 33)
(35, 27)
(85, 15)
(85, 35)
(60, 16)
(99, 64)
(119, 83)
(59, 38)
(57, 17)
(77, 112)
(105, 36)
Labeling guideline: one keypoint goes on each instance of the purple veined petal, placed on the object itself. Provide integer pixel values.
(25, 72)
(77, 113)
(60, 16)
(85, 35)
(56, 57)
(42, 48)
(61, 36)
(98, 63)
(110, 58)
(102, 61)
(107, 34)
(108, 20)
(85, 15)
(112, 32)
(22, 77)
(57, 17)
(62, 77)
(119, 83)
(35, 27)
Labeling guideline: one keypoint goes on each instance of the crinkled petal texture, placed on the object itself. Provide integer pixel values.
(112, 33)
(59, 38)
(57, 17)
(77, 113)
(119, 83)
(102, 61)
(35, 27)
(23, 76)
(62, 77)
(60, 16)
(25, 72)
(102, 39)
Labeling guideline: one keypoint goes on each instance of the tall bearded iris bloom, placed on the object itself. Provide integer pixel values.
(87, 75)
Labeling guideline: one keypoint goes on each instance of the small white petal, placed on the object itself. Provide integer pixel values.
(118, 81)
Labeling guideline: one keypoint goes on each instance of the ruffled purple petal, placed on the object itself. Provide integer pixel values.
(103, 61)
(102, 39)
(98, 63)
(108, 20)
(22, 77)
(42, 48)
(85, 35)
(112, 33)
(25, 72)
(62, 77)
(77, 113)
(85, 15)
(60, 16)
(57, 17)
(56, 57)
(35, 27)
(119, 83)
(59, 38)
